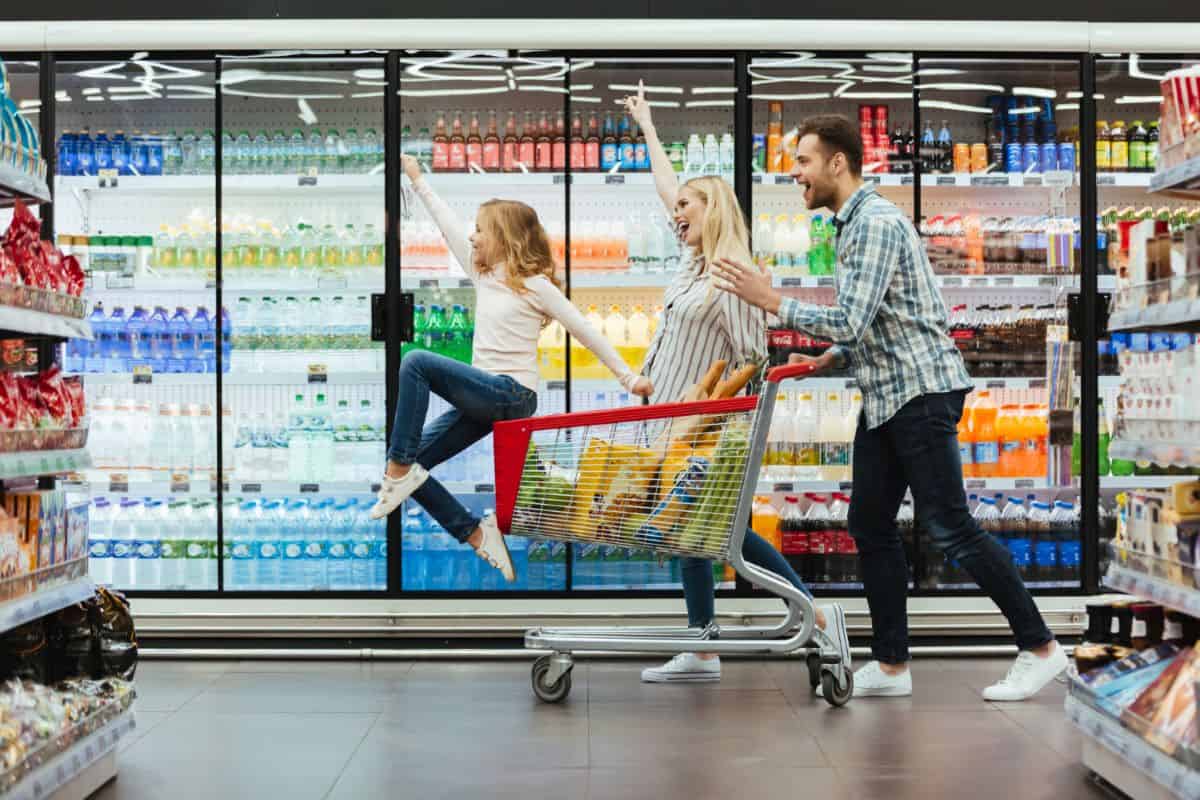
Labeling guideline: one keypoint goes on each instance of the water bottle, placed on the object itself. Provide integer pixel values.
(712, 155)
(694, 162)
(204, 328)
(154, 154)
(267, 524)
(371, 151)
(332, 154)
(241, 547)
(117, 359)
(727, 156)
(292, 521)
(296, 151)
(314, 151)
(139, 154)
(199, 524)
(174, 517)
(352, 160)
(206, 153)
(280, 153)
(362, 550)
(183, 342)
(120, 153)
(172, 153)
(379, 568)
(340, 547)
(316, 546)
(100, 535)
(188, 161)
(139, 344)
(123, 537)
(260, 154)
(103, 149)
(321, 444)
(413, 559)
(369, 444)
(66, 154)
(85, 154)
(147, 545)
(158, 340)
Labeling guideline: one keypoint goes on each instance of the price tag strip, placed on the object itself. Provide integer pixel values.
(1149, 587)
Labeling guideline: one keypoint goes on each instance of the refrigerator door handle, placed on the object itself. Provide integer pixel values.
(379, 317)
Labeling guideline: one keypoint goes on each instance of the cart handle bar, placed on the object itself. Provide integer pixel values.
(789, 371)
(609, 416)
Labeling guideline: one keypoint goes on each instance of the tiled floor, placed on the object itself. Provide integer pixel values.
(358, 731)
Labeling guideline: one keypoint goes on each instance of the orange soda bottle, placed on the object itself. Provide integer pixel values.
(966, 441)
(1008, 432)
(987, 442)
(764, 520)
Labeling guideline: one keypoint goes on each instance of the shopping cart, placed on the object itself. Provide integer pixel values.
(676, 480)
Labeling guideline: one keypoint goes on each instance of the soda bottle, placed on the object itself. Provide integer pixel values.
(987, 444)
(610, 152)
(510, 146)
(457, 149)
(1008, 435)
(558, 146)
(591, 145)
(474, 145)
(765, 521)
(820, 536)
(1045, 552)
(441, 145)
(1076, 443)
(491, 145)
(458, 336)
(544, 146)
(793, 534)
(966, 442)
(625, 144)
(845, 549)
(435, 331)
(527, 147)
(1104, 438)
(1013, 524)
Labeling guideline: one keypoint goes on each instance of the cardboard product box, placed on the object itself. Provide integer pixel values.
(1140, 236)
(10, 548)
(77, 530)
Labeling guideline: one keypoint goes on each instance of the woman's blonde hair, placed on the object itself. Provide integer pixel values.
(522, 241)
(724, 234)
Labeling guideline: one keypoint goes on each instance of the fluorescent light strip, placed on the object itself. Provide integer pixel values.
(939, 71)
(550, 89)
(948, 106)
(583, 99)
(30, 104)
(370, 83)
(1067, 107)
(714, 90)
(885, 68)
(370, 74)
(95, 99)
(1023, 110)
(247, 75)
(809, 96)
(876, 95)
(962, 87)
(1133, 100)
(653, 103)
(452, 92)
(709, 104)
(629, 87)
(368, 94)
(284, 95)
(1033, 91)
(1074, 95)
(582, 87)
(905, 58)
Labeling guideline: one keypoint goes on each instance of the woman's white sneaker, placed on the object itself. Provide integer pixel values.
(493, 550)
(684, 668)
(394, 491)
(1028, 675)
(872, 681)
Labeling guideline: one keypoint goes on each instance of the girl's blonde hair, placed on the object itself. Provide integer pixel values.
(724, 234)
(523, 243)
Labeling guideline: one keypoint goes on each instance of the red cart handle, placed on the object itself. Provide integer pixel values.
(789, 371)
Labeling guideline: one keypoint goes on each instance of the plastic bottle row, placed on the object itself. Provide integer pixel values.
(1008, 440)
(799, 245)
(973, 244)
(811, 436)
(167, 343)
(268, 331)
(261, 153)
(309, 442)
(629, 333)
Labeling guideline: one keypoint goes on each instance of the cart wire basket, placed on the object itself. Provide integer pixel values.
(677, 479)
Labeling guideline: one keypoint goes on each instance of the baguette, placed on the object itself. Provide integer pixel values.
(735, 382)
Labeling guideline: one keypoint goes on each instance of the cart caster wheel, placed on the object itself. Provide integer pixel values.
(814, 670)
(549, 693)
(837, 695)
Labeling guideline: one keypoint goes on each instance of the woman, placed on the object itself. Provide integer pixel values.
(509, 260)
(700, 325)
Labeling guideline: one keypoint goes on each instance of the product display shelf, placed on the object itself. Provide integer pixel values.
(960, 282)
(1164, 453)
(1180, 313)
(100, 485)
(1182, 181)
(289, 378)
(16, 322)
(1135, 573)
(42, 601)
(30, 463)
(1124, 759)
(364, 280)
(18, 185)
(80, 769)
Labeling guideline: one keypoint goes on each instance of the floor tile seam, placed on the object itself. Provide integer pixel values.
(336, 778)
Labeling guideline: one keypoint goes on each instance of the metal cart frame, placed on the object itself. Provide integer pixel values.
(551, 674)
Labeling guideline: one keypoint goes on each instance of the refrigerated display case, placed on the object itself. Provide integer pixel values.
(279, 221)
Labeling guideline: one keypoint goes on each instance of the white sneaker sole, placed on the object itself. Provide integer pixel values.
(891, 691)
(682, 677)
(383, 508)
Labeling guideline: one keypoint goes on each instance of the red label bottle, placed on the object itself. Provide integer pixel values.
(458, 145)
(591, 147)
(474, 145)
(491, 145)
(441, 146)
(511, 147)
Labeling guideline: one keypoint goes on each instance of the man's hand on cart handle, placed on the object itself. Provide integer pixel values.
(747, 281)
(821, 363)
(789, 371)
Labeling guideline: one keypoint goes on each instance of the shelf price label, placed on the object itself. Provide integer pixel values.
(989, 180)
(310, 488)
(318, 373)
(306, 180)
(947, 180)
(784, 180)
(106, 179)
(561, 178)
(180, 482)
(143, 374)
(251, 488)
(118, 483)
(756, 179)
(485, 488)
(782, 487)
(614, 180)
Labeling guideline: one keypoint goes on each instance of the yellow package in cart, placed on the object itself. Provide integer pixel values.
(599, 466)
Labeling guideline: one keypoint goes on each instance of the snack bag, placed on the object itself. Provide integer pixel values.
(10, 401)
(74, 388)
(598, 467)
(31, 413)
(74, 275)
(683, 495)
(57, 402)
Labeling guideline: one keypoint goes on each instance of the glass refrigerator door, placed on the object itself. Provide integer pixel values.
(302, 238)
(135, 202)
(625, 251)
(1000, 205)
(1127, 114)
(805, 483)
(482, 127)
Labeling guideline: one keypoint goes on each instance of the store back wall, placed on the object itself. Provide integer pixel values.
(1076, 10)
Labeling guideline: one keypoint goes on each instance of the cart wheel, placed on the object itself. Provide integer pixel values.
(836, 695)
(549, 693)
(814, 670)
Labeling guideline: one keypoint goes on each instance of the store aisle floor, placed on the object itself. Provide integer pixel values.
(357, 731)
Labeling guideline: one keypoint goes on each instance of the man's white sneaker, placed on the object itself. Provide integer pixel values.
(835, 629)
(394, 491)
(1028, 675)
(684, 668)
(493, 550)
(872, 681)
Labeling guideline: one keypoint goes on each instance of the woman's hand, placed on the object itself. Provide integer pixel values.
(642, 387)
(411, 167)
(639, 109)
(748, 282)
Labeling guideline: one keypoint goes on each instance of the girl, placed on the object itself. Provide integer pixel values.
(508, 258)
(700, 325)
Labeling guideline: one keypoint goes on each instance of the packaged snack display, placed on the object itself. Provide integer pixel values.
(35, 273)
(46, 411)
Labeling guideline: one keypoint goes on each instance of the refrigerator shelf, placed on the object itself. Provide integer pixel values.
(362, 280)
(1130, 577)
(82, 766)
(161, 487)
(30, 463)
(44, 593)
(1182, 181)
(1165, 453)
(289, 378)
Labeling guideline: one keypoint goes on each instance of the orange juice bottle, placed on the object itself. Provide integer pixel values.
(1008, 432)
(966, 441)
(774, 136)
(987, 441)
(1040, 428)
(764, 520)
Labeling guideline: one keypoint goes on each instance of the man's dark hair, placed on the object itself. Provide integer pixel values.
(837, 135)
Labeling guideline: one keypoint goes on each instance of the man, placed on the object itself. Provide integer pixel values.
(889, 325)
